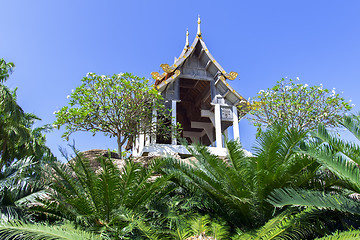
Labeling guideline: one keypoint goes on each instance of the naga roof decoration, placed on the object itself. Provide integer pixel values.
(172, 72)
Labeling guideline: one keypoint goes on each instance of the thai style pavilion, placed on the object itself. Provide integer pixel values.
(196, 90)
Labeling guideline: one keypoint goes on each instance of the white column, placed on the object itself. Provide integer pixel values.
(147, 140)
(154, 120)
(141, 142)
(236, 123)
(218, 126)
(173, 122)
(136, 147)
(226, 134)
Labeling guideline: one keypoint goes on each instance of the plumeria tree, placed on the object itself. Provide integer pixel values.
(297, 105)
(119, 106)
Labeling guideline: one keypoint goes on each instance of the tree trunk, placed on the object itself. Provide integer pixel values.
(119, 142)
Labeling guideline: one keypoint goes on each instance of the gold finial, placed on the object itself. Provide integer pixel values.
(187, 38)
(198, 30)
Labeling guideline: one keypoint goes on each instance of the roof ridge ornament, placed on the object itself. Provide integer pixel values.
(166, 68)
(187, 38)
(198, 29)
(231, 75)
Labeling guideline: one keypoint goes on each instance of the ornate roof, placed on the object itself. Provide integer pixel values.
(171, 73)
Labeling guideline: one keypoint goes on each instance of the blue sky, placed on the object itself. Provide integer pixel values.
(55, 43)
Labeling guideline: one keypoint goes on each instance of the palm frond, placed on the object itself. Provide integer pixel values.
(107, 199)
(346, 235)
(229, 192)
(352, 123)
(149, 232)
(200, 224)
(274, 227)
(347, 148)
(181, 230)
(240, 184)
(219, 231)
(337, 163)
(21, 230)
(290, 224)
(309, 198)
(10, 213)
(70, 191)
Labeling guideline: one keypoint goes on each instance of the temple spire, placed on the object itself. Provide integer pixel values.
(198, 29)
(187, 38)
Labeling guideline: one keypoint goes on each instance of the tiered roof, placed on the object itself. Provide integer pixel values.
(171, 73)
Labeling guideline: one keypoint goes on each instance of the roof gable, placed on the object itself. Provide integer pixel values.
(195, 61)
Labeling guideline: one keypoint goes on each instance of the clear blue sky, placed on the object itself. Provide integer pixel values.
(55, 43)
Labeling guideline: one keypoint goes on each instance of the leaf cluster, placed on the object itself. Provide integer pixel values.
(18, 138)
(6, 68)
(240, 184)
(342, 159)
(297, 105)
(109, 200)
(120, 106)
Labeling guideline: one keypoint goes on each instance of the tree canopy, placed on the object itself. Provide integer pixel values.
(297, 105)
(18, 138)
(119, 106)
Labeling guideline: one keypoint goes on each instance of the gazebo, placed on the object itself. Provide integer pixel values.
(196, 90)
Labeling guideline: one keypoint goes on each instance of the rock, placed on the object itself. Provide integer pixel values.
(202, 236)
(92, 154)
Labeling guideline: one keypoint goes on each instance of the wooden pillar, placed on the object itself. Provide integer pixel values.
(236, 124)
(173, 122)
(218, 126)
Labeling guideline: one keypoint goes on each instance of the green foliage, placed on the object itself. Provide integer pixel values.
(110, 200)
(20, 184)
(240, 184)
(119, 106)
(308, 198)
(174, 213)
(342, 159)
(205, 226)
(6, 68)
(22, 152)
(298, 223)
(297, 106)
(287, 225)
(13, 130)
(346, 235)
(200, 225)
(18, 138)
(24, 231)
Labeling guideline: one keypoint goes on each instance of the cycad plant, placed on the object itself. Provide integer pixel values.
(346, 235)
(240, 184)
(20, 184)
(21, 230)
(107, 200)
(341, 158)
